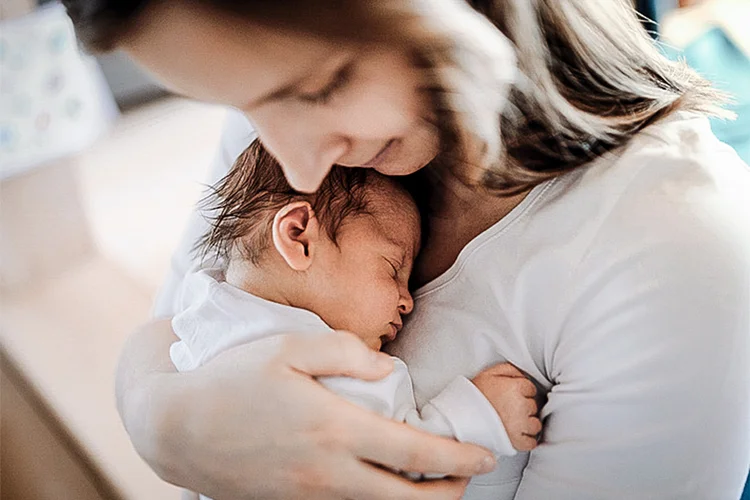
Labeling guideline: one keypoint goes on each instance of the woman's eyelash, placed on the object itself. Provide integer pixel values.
(340, 79)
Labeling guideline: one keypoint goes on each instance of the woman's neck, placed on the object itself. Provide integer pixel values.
(459, 213)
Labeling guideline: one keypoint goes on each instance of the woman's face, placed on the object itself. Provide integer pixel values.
(313, 102)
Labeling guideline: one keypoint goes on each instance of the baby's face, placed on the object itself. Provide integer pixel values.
(363, 283)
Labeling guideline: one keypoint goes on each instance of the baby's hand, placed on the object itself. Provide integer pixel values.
(512, 395)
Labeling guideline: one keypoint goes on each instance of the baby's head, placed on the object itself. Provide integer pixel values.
(345, 253)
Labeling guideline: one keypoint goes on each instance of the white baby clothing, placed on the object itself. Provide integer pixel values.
(215, 316)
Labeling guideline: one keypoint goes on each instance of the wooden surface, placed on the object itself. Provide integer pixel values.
(84, 244)
(37, 461)
(68, 358)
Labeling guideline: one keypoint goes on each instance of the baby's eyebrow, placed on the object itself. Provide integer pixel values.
(402, 249)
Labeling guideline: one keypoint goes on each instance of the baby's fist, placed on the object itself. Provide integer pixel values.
(512, 395)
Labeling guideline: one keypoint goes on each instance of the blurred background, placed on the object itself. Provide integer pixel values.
(99, 170)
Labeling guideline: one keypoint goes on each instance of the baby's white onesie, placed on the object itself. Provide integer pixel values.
(215, 316)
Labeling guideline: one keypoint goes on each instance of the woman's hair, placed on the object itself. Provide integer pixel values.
(242, 205)
(588, 75)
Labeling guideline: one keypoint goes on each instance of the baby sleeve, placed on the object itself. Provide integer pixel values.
(459, 411)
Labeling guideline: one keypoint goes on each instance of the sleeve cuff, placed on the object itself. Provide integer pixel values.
(472, 417)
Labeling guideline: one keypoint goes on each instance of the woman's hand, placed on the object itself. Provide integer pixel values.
(253, 423)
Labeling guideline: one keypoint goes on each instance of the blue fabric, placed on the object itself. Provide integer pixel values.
(746, 495)
(717, 58)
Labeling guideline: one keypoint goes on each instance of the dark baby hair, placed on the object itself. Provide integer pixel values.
(243, 204)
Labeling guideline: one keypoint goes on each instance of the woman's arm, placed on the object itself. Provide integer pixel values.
(252, 423)
(652, 361)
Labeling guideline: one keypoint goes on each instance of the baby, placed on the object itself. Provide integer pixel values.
(338, 259)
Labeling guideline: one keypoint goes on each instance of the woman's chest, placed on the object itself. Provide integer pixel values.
(466, 325)
(449, 336)
(447, 236)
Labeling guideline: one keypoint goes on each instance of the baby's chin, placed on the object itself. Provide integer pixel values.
(374, 344)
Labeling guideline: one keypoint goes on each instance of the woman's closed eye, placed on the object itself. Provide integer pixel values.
(337, 83)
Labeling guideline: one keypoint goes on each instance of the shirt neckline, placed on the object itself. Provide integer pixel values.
(478, 241)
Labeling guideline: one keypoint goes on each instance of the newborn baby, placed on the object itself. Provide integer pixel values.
(338, 259)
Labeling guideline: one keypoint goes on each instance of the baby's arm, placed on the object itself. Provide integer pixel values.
(466, 411)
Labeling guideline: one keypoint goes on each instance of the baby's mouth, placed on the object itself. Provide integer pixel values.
(391, 336)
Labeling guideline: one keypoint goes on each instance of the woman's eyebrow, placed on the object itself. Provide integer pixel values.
(282, 92)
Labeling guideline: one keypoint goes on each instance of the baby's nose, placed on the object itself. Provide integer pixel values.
(406, 304)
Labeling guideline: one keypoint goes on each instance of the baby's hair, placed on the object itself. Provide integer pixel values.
(243, 204)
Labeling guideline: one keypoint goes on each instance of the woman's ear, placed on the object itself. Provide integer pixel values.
(296, 231)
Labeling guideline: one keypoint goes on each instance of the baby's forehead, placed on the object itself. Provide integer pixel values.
(387, 198)
(395, 212)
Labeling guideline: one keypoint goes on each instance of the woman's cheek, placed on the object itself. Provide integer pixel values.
(378, 112)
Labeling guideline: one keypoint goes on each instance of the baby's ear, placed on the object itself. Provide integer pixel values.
(296, 231)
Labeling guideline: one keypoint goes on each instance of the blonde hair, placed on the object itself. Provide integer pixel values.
(525, 90)
(588, 79)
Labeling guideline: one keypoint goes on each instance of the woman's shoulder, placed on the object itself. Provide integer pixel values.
(662, 253)
(681, 147)
(669, 213)
(675, 175)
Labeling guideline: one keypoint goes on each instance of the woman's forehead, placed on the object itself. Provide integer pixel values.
(220, 58)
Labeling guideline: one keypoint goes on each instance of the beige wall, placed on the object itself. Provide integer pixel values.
(14, 8)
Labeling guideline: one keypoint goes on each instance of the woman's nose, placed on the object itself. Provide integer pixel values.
(306, 165)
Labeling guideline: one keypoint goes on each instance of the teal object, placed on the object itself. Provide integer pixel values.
(717, 58)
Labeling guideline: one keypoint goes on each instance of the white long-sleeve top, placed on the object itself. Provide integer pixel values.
(624, 289)
(215, 316)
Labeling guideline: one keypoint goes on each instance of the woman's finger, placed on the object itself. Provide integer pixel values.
(369, 482)
(334, 354)
(398, 446)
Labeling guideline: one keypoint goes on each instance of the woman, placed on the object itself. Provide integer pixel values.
(583, 223)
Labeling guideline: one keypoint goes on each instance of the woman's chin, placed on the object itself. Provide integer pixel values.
(402, 168)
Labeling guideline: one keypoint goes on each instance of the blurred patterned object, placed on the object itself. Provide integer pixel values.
(53, 100)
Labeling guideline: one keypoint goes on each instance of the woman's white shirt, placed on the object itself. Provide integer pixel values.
(624, 289)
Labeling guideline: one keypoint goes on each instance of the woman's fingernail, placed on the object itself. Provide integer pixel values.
(487, 465)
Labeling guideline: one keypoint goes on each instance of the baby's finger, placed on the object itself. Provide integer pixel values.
(533, 427)
(506, 370)
(530, 408)
(525, 443)
(527, 388)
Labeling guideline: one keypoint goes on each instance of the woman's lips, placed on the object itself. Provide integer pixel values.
(381, 156)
